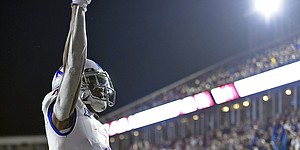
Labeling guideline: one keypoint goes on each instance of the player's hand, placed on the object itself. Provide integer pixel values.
(82, 3)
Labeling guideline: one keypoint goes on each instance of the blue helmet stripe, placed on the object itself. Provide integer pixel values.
(58, 72)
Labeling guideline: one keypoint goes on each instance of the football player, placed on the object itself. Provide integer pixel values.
(80, 90)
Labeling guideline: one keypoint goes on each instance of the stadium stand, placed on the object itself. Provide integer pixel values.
(264, 58)
(24, 143)
(283, 129)
(254, 134)
(250, 127)
(266, 120)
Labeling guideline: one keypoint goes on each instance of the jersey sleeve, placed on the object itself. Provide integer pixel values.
(47, 108)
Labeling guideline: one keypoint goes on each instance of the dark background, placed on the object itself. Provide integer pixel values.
(145, 45)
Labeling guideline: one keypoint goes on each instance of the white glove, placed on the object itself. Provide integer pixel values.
(81, 3)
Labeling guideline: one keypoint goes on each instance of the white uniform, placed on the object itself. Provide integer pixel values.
(86, 133)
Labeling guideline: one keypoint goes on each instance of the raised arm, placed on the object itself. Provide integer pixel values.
(74, 58)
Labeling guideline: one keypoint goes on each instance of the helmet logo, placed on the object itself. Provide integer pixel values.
(59, 74)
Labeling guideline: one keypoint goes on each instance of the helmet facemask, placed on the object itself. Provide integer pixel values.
(97, 89)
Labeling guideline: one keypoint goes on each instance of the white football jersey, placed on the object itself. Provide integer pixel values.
(86, 133)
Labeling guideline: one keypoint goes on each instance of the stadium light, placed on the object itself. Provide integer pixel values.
(121, 137)
(265, 98)
(288, 92)
(225, 109)
(195, 117)
(267, 7)
(112, 139)
(158, 127)
(246, 103)
(136, 133)
(236, 106)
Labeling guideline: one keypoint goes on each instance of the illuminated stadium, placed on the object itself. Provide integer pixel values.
(243, 94)
(235, 102)
(248, 101)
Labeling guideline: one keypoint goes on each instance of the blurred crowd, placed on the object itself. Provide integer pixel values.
(25, 146)
(281, 132)
(236, 68)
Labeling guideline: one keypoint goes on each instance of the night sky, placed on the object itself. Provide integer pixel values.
(144, 45)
